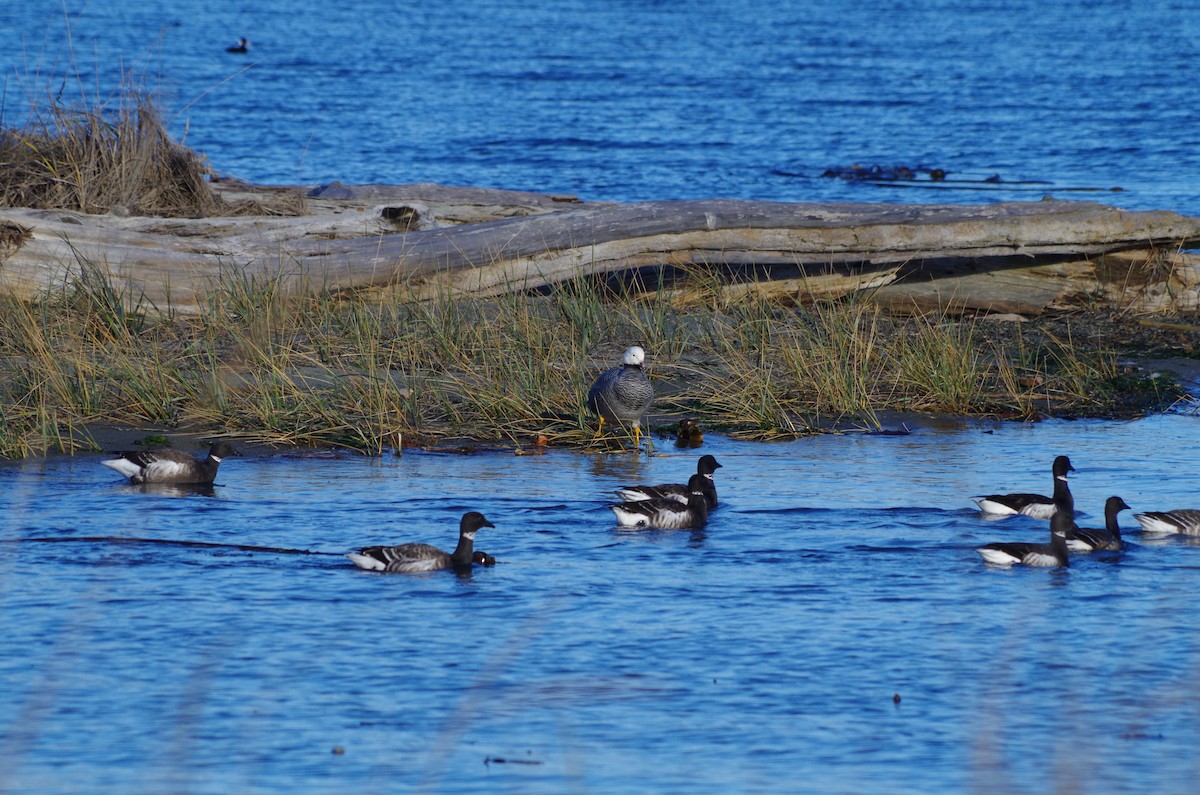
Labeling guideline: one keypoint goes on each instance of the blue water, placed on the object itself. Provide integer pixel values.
(759, 655)
(638, 99)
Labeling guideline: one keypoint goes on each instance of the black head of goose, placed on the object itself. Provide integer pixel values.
(171, 466)
(1031, 554)
(666, 513)
(623, 394)
(1086, 539)
(1034, 505)
(1185, 521)
(413, 558)
(705, 467)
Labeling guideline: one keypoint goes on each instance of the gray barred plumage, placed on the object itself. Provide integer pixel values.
(1036, 506)
(1008, 553)
(666, 513)
(1185, 521)
(1108, 538)
(412, 558)
(623, 394)
(172, 466)
(705, 467)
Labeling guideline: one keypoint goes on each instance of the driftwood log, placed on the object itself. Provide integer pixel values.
(427, 240)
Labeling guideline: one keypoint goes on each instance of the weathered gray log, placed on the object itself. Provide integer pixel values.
(1003, 257)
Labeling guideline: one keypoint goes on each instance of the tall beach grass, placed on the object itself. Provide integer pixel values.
(370, 374)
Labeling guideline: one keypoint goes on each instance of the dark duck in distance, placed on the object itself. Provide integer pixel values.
(1034, 505)
(242, 47)
(666, 513)
(1030, 554)
(705, 467)
(171, 466)
(1085, 539)
(623, 394)
(416, 557)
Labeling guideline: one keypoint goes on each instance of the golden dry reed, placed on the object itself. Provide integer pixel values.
(366, 375)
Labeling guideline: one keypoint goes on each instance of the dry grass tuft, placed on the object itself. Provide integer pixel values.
(100, 159)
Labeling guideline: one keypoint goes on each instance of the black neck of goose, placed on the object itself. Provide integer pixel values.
(1058, 545)
(463, 554)
(698, 504)
(1063, 500)
(1112, 523)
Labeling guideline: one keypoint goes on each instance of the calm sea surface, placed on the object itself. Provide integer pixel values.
(761, 655)
(645, 99)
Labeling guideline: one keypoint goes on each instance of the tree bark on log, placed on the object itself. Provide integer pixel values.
(430, 240)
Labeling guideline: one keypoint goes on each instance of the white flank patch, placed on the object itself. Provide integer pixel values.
(993, 507)
(1039, 510)
(366, 562)
(996, 557)
(1075, 545)
(632, 494)
(1153, 524)
(630, 518)
(165, 470)
(416, 565)
(124, 466)
(1039, 559)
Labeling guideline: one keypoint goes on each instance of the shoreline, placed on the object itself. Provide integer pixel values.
(755, 348)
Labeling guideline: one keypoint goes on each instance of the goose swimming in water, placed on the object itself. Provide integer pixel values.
(171, 466)
(413, 558)
(1029, 554)
(243, 46)
(666, 513)
(705, 467)
(1083, 539)
(1035, 505)
(623, 394)
(1185, 521)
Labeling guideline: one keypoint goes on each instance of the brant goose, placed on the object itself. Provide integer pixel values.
(706, 466)
(623, 394)
(411, 558)
(171, 466)
(483, 559)
(1052, 554)
(1035, 505)
(1083, 539)
(666, 513)
(1184, 520)
(243, 46)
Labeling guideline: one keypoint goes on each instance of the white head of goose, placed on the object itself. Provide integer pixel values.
(413, 558)
(171, 466)
(1030, 554)
(1086, 539)
(623, 394)
(666, 513)
(705, 467)
(1035, 505)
